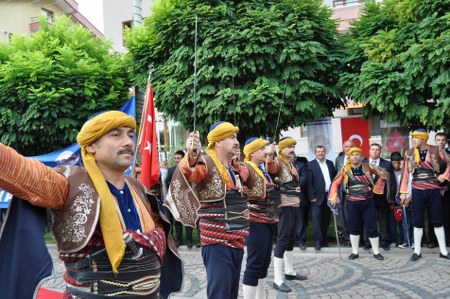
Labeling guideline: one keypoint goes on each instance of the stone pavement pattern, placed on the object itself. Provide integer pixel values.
(329, 276)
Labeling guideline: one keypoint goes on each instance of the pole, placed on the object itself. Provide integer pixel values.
(279, 110)
(336, 232)
(195, 73)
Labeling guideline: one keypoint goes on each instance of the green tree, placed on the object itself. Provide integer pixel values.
(53, 81)
(253, 58)
(398, 62)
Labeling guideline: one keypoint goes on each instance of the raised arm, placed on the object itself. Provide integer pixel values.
(31, 180)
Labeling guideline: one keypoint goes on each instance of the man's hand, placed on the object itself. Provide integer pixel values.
(271, 149)
(402, 198)
(441, 178)
(193, 145)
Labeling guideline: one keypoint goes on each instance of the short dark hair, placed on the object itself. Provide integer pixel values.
(320, 146)
(440, 134)
(396, 156)
(376, 144)
(180, 153)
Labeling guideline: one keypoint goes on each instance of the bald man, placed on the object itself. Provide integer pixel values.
(108, 229)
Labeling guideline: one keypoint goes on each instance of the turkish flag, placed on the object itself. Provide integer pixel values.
(149, 150)
(356, 129)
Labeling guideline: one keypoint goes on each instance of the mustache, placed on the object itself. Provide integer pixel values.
(125, 151)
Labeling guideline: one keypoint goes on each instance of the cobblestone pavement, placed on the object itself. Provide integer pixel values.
(329, 276)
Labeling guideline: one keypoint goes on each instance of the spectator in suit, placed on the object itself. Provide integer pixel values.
(320, 174)
(382, 201)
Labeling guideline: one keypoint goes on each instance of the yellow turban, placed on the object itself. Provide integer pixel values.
(287, 142)
(219, 131)
(251, 146)
(420, 133)
(354, 150)
(110, 225)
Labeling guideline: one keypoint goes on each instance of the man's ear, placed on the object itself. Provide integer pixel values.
(90, 148)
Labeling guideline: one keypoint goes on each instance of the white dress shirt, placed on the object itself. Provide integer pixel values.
(326, 174)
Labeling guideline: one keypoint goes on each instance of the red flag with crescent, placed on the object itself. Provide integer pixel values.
(356, 129)
(149, 147)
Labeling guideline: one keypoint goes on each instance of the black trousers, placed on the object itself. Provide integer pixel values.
(320, 218)
(427, 200)
(259, 251)
(361, 212)
(286, 230)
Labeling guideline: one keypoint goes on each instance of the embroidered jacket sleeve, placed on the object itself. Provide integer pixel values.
(31, 180)
(446, 159)
(272, 166)
(195, 173)
(383, 177)
(337, 181)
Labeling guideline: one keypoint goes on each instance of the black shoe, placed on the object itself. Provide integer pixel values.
(197, 245)
(317, 246)
(386, 247)
(178, 243)
(445, 256)
(302, 246)
(282, 288)
(353, 256)
(295, 277)
(189, 244)
(415, 257)
(378, 256)
(366, 246)
(431, 245)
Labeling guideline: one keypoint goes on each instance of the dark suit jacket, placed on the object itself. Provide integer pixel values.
(316, 182)
(170, 173)
(303, 177)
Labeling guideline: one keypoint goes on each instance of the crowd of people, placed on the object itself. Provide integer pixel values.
(115, 237)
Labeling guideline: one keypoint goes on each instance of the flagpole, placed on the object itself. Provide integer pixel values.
(144, 110)
(195, 73)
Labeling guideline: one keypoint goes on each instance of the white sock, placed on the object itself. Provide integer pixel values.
(278, 270)
(375, 245)
(288, 267)
(249, 292)
(354, 240)
(261, 288)
(440, 236)
(418, 232)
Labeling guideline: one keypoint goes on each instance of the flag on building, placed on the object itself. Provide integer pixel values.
(148, 142)
(357, 130)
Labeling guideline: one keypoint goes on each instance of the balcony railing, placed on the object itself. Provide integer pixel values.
(34, 23)
(338, 3)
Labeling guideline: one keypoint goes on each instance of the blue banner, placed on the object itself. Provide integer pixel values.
(70, 155)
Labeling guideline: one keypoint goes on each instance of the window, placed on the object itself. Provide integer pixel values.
(126, 25)
(48, 14)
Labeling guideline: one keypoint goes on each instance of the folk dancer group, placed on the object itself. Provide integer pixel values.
(235, 203)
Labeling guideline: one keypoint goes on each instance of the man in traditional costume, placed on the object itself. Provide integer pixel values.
(282, 168)
(264, 199)
(108, 229)
(208, 187)
(424, 162)
(359, 187)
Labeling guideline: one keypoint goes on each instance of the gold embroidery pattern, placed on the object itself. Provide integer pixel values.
(257, 190)
(73, 228)
(214, 189)
(185, 207)
(285, 174)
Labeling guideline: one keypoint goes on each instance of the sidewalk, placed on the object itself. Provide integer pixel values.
(329, 276)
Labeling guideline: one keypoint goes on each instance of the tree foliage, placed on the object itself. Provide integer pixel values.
(398, 62)
(52, 81)
(253, 58)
